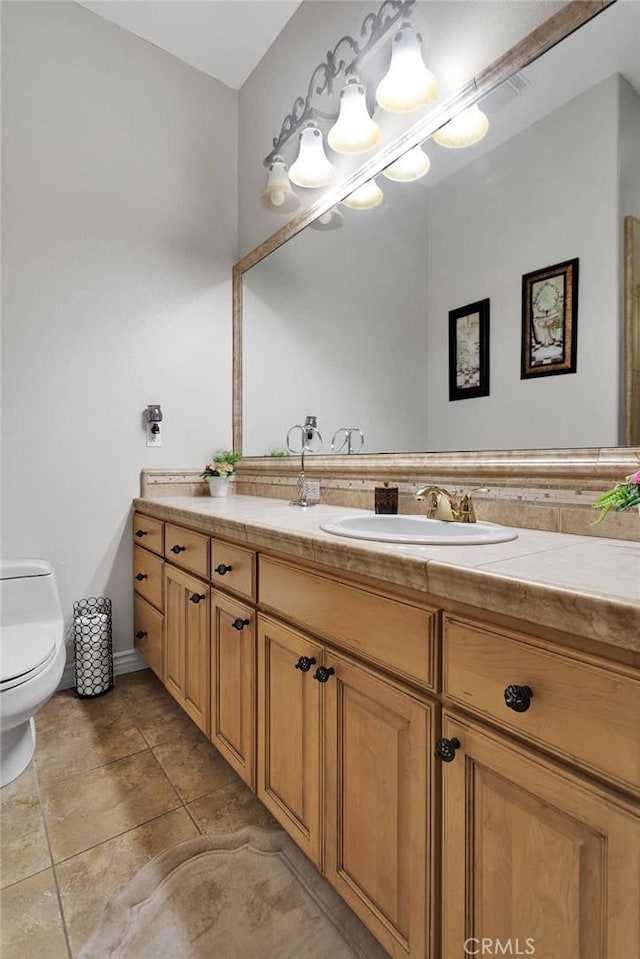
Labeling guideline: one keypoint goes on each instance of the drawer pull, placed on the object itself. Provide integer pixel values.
(518, 698)
(140, 533)
(446, 749)
(322, 673)
(178, 549)
(222, 569)
(305, 663)
(197, 597)
(240, 624)
(141, 576)
(140, 634)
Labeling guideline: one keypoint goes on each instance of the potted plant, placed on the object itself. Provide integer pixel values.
(623, 496)
(218, 471)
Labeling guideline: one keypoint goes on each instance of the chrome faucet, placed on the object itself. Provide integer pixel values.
(447, 506)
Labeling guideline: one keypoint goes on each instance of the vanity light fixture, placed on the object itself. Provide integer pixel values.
(354, 131)
(331, 220)
(278, 195)
(408, 84)
(311, 169)
(410, 166)
(365, 197)
(467, 128)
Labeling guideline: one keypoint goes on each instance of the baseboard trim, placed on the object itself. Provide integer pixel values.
(126, 661)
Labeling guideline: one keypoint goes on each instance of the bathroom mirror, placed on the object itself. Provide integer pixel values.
(352, 325)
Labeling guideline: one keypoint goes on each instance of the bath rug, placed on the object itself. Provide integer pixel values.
(239, 896)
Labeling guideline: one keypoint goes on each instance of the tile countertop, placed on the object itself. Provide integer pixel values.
(584, 585)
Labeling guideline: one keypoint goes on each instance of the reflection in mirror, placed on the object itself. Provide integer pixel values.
(352, 323)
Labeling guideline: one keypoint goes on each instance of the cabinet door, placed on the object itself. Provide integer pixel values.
(187, 644)
(148, 632)
(534, 856)
(233, 684)
(289, 730)
(378, 810)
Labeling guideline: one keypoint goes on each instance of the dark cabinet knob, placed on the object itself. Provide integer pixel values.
(240, 623)
(140, 634)
(141, 576)
(140, 533)
(178, 549)
(305, 663)
(197, 597)
(322, 673)
(446, 749)
(518, 698)
(222, 569)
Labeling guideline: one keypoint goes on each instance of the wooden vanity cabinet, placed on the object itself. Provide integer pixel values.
(344, 764)
(148, 634)
(233, 683)
(187, 643)
(534, 854)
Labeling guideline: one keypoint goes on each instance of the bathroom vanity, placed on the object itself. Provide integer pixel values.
(451, 734)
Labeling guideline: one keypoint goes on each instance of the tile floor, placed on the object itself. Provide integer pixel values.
(115, 781)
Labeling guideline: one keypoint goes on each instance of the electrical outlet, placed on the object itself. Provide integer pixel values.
(154, 434)
(312, 490)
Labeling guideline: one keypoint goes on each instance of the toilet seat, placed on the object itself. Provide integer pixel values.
(27, 649)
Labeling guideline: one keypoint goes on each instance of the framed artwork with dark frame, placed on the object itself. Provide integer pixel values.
(469, 351)
(550, 320)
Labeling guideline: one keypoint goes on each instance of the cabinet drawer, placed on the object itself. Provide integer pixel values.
(147, 635)
(187, 549)
(234, 568)
(393, 634)
(583, 710)
(149, 533)
(147, 576)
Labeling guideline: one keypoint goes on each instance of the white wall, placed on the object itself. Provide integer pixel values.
(119, 233)
(460, 37)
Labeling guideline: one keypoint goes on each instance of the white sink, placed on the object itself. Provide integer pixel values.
(419, 530)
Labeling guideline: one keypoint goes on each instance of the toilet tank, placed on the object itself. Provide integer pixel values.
(28, 592)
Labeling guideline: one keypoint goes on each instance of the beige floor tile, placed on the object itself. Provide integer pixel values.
(89, 880)
(230, 808)
(67, 706)
(25, 850)
(95, 806)
(194, 766)
(71, 747)
(31, 923)
(155, 713)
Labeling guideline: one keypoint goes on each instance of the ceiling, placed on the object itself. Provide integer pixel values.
(224, 38)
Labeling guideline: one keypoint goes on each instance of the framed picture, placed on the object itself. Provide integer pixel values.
(469, 351)
(550, 320)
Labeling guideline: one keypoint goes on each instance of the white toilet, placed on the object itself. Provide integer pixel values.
(32, 656)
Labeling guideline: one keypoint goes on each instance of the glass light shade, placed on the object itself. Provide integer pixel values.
(410, 166)
(467, 128)
(331, 220)
(278, 197)
(311, 169)
(366, 197)
(408, 84)
(354, 131)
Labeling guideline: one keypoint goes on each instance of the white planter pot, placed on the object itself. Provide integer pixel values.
(218, 485)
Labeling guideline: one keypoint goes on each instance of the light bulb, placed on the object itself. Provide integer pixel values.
(311, 169)
(354, 131)
(331, 220)
(366, 197)
(278, 195)
(407, 85)
(467, 128)
(410, 166)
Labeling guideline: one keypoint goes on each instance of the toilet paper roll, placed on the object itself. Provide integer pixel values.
(92, 653)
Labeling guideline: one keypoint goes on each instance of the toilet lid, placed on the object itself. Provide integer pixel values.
(25, 647)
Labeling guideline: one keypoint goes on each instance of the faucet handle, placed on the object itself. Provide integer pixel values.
(466, 510)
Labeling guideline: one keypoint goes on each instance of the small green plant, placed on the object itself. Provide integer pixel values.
(623, 496)
(223, 463)
(278, 453)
